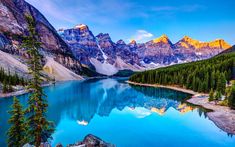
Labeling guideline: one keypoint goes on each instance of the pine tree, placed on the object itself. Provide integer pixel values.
(211, 95)
(231, 98)
(4, 89)
(40, 129)
(9, 88)
(221, 83)
(212, 80)
(17, 132)
(206, 83)
(218, 96)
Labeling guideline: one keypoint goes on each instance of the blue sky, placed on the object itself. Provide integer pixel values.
(144, 20)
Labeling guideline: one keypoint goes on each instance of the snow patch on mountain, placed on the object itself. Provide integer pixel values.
(103, 54)
(104, 68)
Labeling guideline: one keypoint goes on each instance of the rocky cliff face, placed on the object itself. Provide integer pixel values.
(159, 50)
(197, 49)
(102, 53)
(13, 26)
(83, 43)
(90, 141)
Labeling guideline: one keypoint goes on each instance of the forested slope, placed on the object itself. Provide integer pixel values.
(200, 76)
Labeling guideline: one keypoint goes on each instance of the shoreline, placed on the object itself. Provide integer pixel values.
(19, 92)
(223, 117)
(25, 91)
(162, 86)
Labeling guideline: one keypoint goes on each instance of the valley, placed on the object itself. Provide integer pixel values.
(77, 74)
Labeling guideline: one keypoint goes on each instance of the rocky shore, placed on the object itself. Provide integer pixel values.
(90, 141)
(222, 116)
(15, 93)
(19, 92)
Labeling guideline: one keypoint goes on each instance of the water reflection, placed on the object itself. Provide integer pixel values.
(80, 102)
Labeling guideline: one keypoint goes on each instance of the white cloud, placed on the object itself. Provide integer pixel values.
(141, 36)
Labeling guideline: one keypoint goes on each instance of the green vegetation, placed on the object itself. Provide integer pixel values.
(231, 97)
(8, 80)
(89, 72)
(218, 96)
(211, 95)
(39, 129)
(124, 73)
(17, 132)
(201, 76)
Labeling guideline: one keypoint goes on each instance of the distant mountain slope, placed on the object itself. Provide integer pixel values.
(230, 50)
(9, 63)
(100, 52)
(13, 26)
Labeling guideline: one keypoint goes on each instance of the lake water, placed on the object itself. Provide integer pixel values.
(124, 115)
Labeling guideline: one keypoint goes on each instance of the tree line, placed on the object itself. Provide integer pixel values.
(8, 80)
(201, 76)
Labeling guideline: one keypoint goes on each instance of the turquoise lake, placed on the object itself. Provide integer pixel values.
(127, 116)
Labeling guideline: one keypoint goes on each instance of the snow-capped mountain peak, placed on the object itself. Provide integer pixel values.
(101, 53)
(163, 39)
(80, 26)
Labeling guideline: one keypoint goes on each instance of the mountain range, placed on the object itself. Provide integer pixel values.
(107, 57)
(68, 53)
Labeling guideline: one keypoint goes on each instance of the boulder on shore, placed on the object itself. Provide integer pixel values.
(92, 141)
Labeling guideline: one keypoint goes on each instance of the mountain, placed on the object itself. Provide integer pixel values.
(99, 52)
(201, 49)
(107, 57)
(13, 26)
(230, 50)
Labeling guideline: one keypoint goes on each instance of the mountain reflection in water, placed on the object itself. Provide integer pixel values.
(95, 105)
(82, 101)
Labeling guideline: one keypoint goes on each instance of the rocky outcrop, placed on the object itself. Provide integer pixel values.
(191, 47)
(99, 52)
(159, 50)
(13, 26)
(89, 141)
(107, 47)
(92, 141)
(83, 44)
